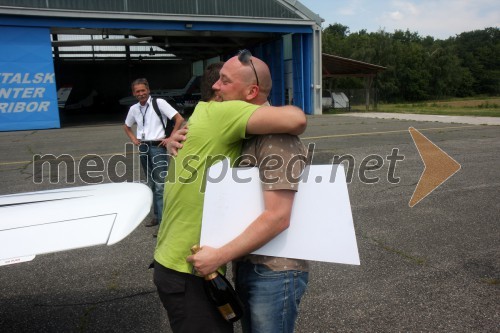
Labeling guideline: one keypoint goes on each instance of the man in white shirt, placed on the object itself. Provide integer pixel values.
(153, 134)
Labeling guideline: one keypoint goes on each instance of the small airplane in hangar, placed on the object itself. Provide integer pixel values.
(183, 99)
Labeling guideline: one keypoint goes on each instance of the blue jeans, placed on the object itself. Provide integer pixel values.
(154, 162)
(271, 298)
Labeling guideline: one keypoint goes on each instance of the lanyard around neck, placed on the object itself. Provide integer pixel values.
(144, 114)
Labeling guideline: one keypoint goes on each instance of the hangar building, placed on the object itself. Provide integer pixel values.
(61, 57)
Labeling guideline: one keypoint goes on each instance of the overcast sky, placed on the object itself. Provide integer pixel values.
(439, 18)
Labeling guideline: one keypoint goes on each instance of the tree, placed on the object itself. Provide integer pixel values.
(418, 67)
(479, 51)
(337, 30)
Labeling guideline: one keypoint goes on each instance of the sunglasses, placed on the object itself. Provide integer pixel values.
(245, 57)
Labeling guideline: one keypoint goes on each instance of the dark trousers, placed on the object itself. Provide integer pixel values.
(188, 308)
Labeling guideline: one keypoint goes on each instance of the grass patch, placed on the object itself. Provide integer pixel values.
(492, 281)
(113, 284)
(481, 107)
(85, 318)
(335, 111)
(417, 260)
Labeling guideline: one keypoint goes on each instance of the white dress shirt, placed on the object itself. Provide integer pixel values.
(149, 126)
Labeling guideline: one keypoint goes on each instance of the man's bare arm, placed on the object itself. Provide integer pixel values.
(277, 119)
(179, 120)
(131, 135)
(274, 220)
(176, 140)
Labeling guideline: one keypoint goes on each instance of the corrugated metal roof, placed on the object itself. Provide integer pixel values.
(182, 29)
(335, 66)
(279, 9)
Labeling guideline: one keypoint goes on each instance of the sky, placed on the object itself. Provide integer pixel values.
(440, 19)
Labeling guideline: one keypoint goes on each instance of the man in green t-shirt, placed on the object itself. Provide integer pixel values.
(216, 130)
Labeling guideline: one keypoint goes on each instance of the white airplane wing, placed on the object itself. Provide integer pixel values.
(64, 219)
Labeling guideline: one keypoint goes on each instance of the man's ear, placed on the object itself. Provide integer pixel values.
(253, 92)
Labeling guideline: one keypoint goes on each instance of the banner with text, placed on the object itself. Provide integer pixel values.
(28, 97)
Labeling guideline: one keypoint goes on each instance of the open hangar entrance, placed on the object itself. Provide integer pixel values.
(97, 65)
(98, 55)
(337, 67)
(106, 60)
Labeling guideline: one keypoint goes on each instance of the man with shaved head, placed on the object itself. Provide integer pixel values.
(270, 287)
(216, 129)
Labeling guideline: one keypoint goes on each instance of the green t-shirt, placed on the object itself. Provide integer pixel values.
(215, 130)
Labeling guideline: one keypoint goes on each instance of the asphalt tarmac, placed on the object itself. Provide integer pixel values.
(434, 267)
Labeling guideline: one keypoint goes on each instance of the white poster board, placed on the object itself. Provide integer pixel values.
(321, 226)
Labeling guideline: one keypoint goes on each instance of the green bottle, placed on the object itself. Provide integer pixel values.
(222, 294)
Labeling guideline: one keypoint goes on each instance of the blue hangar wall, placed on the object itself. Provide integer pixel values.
(28, 95)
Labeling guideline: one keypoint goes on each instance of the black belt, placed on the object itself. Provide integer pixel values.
(151, 143)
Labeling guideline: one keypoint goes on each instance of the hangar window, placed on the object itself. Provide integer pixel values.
(92, 47)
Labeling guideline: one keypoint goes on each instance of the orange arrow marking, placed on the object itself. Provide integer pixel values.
(439, 166)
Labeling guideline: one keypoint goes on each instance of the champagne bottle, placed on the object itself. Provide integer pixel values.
(221, 294)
